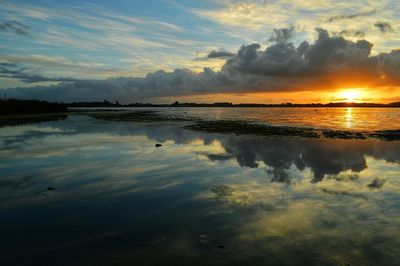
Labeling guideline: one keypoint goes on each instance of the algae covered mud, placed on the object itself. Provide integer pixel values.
(93, 189)
(351, 118)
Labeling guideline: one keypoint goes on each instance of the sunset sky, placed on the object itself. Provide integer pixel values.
(261, 51)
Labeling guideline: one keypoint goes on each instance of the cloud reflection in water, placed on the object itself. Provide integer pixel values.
(321, 195)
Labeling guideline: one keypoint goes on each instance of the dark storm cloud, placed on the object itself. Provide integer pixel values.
(220, 54)
(351, 16)
(384, 27)
(282, 66)
(14, 26)
(282, 35)
(160, 83)
(326, 56)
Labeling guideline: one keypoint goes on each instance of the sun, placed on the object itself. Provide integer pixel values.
(350, 95)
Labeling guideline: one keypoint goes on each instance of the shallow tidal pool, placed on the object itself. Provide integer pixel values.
(87, 192)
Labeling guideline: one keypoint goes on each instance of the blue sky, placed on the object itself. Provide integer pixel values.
(108, 39)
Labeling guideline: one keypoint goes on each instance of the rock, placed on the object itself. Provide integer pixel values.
(158, 145)
(50, 188)
(376, 183)
(222, 247)
(203, 238)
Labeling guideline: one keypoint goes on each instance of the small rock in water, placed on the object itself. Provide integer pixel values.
(203, 238)
(377, 183)
(50, 188)
(222, 247)
(158, 145)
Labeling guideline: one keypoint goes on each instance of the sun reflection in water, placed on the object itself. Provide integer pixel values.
(349, 117)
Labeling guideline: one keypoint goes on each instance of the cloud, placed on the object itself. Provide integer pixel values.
(160, 83)
(351, 16)
(13, 70)
(327, 56)
(220, 54)
(351, 33)
(282, 35)
(325, 158)
(280, 156)
(384, 27)
(7, 64)
(328, 62)
(47, 61)
(53, 66)
(15, 26)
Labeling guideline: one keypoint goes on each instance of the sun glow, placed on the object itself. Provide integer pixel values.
(350, 95)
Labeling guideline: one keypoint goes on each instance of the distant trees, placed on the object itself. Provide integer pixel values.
(13, 106)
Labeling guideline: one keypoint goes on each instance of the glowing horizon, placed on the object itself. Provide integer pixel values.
(201, 51)
(355, 95)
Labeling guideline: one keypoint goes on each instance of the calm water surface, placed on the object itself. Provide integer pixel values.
(333, 118)
(200, 199)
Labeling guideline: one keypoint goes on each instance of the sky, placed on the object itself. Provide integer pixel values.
(264, 51)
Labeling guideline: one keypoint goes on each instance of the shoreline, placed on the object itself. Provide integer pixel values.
(236, 127)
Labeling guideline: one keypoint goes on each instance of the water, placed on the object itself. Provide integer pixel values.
(200, 199)
(363, 119)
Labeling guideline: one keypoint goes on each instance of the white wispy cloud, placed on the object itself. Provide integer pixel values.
(262, 16)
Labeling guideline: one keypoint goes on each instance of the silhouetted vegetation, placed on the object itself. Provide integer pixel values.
(12, 106)
(21, 119)
(17, 112)
(106, 103)
(396, 104)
